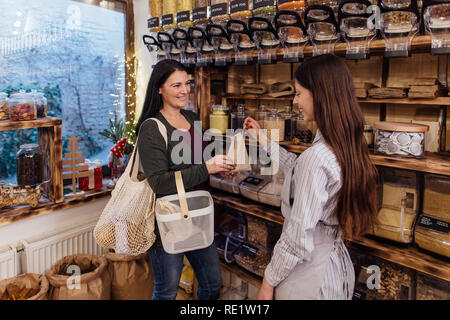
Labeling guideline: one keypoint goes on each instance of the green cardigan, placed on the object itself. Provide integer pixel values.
(157, 163)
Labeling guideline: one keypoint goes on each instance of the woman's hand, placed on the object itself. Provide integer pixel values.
(266, 291)
(220, 163)
(254, 130)
(228, 175)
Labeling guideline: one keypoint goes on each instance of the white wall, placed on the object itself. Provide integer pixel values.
(145, 59)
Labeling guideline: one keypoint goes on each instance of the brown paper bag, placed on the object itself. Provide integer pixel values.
(94, 283)
(27, 286)
(131, 276)
(238, 153)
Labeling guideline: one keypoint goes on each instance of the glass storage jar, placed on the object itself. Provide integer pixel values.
(294, 5)
(4, 106)
(184, 9)
(30, 165)
(41, 104)
(156, 8)
(200, 14)
(169, 14)
(21, 107)
(238, 118)
(274, 124)
(260, 115)
(264, 7)
(220, 10)
(436, 198)
(287, 115)
(218, 120)
(241, 9)
(302, 130)
(430, 288)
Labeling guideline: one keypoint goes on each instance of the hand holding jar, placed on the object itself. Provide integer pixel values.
(252, 127)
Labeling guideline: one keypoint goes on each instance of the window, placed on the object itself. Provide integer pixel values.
(74, 52)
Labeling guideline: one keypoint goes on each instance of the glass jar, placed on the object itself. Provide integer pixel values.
(41, 104)
(241, 9)
(30, 165)
(169, 14)
(302, 130)
(184, 8)
(368, 134)
(264, 7)
(218, 120)
(4, 106)
(287, 115)
(294, 5)
(238, 118)
(220, 10)
(200, 12)
(274, 124)
(156, 8)
(21, 107)
(260, 115)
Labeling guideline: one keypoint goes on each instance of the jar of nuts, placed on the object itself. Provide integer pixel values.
(41, 104)
(4, 113)
(22, 107)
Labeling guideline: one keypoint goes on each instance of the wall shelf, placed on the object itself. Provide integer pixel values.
(409, 257)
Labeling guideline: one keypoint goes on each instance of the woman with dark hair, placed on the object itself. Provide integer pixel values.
(167, 95)
(329, 190)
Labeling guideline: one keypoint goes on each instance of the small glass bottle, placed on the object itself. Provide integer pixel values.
(274, 124)
(4, 106)
(218, 120)
(21, 107)
(30, 165)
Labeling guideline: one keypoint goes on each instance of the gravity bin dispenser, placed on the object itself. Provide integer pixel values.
(221, 43)
(153, 46)
(265, 37)
(356, 28)
(292, 34)
(436, 19)
(399, 24)
(241, 41)
(203, 48)
(322, 28)
(184, 45)
(168, 45)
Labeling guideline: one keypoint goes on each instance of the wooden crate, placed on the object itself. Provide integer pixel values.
(418, 114)
(403, 70)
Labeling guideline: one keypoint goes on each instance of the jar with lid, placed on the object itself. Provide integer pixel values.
(200, 14)
(302, 130)
(287, 115)
(220, 10)
(436, 18)
(260, 115)
(41, 103)
(21, 107)
(184, 8)
(218, 120)
(274, 124)
(4, 106)
(169, 14)
(238, 118)
(241, 9)
(30, 165)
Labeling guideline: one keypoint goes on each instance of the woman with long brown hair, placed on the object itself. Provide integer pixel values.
(329, 190)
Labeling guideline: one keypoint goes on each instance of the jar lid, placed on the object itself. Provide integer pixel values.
(401, 126)
(219, 107)
(20, 94)
(273, 115)
(29, 146)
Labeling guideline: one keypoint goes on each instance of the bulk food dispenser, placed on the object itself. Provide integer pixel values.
(436, 19)
(216, 31)
(184, 45)
(152, 45)
(197, 34)
(168, 45)
(399, 24)
(262, 30)
(356, 28)
(322, 28)
(292, 34)
(156, 12)
(237, 29)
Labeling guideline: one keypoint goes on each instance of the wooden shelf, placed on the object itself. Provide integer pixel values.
(39, 123)
(409, 257)
(438, 101)
(17, 213)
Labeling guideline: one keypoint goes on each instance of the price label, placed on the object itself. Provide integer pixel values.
(153, 23)
(183, 16)
(238, 5)
(219, 9)
(200, 13)
(434, 224)
(167, 19)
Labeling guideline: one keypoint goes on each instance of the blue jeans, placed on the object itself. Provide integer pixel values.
(167, 272)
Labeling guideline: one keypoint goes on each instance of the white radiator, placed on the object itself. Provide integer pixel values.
(8, 262)
(40, 255)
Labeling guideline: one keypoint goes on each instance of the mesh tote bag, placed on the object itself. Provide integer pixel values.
(127, 222)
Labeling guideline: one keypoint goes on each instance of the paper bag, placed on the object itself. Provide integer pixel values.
(27, 286)
(131, 276)
(238, 154)
(93, 281)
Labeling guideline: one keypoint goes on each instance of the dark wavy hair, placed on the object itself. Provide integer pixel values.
(341, 122)
(153, 100)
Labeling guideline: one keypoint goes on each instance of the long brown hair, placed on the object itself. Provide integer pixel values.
(340, 120)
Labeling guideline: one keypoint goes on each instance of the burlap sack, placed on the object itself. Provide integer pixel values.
(94, 282)
(27, 286)
(132, 276)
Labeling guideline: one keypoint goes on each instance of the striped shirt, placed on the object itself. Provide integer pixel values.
(315, 184)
